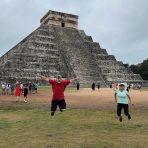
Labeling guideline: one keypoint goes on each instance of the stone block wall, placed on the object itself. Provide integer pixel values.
(111, 69)
(57, 18)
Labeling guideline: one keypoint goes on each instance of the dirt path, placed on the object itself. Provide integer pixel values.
(85, 98)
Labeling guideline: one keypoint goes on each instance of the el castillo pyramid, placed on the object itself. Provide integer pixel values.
(59, 47)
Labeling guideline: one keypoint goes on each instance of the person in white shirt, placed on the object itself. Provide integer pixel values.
(3, 88)
(7, 88)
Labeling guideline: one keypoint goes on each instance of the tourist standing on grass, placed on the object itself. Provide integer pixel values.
(25, 92)
(30, 87)
(139, 86)
(7, 88)
(128, 87)
(18, 91)
(78, 86)
(36, 88)
(3, 88)
(58, 87)
(98, 86)
(121, 98)
(115, 86)
(22, 89)
(12, 88)
(93, 86)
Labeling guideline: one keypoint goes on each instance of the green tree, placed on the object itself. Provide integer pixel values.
(141, 69)
(144, 70)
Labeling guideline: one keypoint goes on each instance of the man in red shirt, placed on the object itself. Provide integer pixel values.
(58, 88)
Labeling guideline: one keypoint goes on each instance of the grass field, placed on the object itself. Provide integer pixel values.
(29, 127)
(89, 122)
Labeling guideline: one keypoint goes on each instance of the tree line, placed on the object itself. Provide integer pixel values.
(141, 69)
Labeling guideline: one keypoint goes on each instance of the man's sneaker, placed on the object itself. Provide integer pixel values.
(120, 118)
(129, 117)
(52, 113)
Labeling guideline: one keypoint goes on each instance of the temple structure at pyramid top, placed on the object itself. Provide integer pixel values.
(56, 47)
(60, 19)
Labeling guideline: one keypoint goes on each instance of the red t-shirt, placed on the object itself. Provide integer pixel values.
(58, 88)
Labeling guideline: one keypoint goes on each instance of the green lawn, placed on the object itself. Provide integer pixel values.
(23, 126)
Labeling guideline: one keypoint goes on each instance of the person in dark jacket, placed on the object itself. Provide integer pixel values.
(25, 92)
(93, 86)
(78, 85)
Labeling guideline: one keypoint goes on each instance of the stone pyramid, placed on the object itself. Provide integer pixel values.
(59, 47)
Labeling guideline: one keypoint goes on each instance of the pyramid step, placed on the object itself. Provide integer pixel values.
(43, 63)
(40, 70)
(44, 33)
(44, 46)
(41, 50)
(46, 59)
(43, 42)
(35, 55)
(43, 36)
(46, 29)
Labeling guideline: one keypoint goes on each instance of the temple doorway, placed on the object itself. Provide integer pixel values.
(63, 24)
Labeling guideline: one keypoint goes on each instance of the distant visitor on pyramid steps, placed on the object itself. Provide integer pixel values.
(59, 47)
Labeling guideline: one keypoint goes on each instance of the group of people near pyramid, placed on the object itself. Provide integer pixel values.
(18, 89)
(122, 97)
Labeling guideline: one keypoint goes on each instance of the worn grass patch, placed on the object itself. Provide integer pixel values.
(29, 127)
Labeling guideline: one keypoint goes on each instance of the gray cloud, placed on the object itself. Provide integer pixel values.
(120, 26)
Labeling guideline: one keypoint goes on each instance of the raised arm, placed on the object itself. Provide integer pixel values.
(43, 78)
(115, 95)
(75, 79)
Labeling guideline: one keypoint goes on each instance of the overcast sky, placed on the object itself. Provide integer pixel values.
(120, 26)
